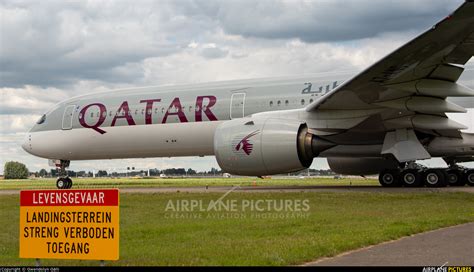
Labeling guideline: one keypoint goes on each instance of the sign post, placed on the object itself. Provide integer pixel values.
(69, 224)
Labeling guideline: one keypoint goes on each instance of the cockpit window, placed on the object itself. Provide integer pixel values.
(42, 119)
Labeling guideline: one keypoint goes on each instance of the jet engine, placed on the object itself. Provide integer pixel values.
(262, 146)
(360, 166)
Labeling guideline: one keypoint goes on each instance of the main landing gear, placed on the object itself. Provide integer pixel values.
(63, 182)
(415, 175)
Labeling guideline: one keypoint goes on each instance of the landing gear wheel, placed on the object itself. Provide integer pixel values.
(64, 183)
(411, 178)
(389, 178)
(469, 177)
(68, 183)
(434, 178)
(454, 177)
(61, 183)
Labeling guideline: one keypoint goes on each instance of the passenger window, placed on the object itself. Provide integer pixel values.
(143, 111)
(156, 110)
(271, 103)
(302, 101)
(311, 101)
(286, 102)
(92, 114)
(279, 103)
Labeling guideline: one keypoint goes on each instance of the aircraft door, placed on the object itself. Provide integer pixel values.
(67, 117)
(237, 105)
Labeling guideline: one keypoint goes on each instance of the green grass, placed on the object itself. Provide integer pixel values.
(336, 222)
(176, 182)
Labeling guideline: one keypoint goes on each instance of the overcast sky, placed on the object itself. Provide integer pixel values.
(52, 50)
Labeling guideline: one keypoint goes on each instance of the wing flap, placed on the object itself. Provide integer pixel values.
(447, 72)
(463, 51)
(433, 87)
(422, 104)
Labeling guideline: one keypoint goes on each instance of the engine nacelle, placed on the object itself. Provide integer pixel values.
(360, 166)
(258, 146)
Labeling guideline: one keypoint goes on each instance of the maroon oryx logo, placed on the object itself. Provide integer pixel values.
(245, 145)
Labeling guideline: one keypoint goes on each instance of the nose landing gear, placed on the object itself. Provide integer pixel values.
(63, 182)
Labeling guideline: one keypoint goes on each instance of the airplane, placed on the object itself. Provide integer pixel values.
(380, 121)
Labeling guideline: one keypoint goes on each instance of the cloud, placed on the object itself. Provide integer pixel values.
(29, 99)
(262, 58)
(322, 21)
(17, 123)
(54, 43)
(214, 53)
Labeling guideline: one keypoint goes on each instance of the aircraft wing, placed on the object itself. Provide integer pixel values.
(407, 89)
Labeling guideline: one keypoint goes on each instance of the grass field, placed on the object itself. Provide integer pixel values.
(176, 182)
(335, 222)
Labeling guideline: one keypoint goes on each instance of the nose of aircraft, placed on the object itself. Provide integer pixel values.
(26, 143)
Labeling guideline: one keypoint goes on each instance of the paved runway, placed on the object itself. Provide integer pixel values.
(452, 246)
(275, 189)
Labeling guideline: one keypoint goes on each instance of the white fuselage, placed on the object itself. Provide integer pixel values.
(180, 122)
(165, 121)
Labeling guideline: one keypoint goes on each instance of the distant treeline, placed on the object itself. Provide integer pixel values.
(314, 172)
(131, 172)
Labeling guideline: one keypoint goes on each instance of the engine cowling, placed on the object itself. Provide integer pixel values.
(257, 147)
(360, 166)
